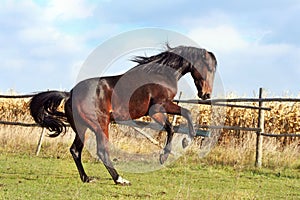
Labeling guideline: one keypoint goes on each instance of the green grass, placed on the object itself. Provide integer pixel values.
(31, 177)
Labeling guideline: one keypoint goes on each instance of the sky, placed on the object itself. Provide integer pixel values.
(43, 44)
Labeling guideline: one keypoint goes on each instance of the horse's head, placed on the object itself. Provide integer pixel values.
(182, 59)
(203, 72)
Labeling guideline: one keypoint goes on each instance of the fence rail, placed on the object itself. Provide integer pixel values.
(19, 124)
(17, 96)
(237, 100)
(281, 135)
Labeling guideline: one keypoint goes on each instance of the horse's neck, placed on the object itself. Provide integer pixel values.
(181, 71)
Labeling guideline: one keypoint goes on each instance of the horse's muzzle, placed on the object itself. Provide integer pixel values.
(204, 96)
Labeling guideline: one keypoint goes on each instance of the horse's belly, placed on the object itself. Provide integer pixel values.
(128, 112)
(125, 115)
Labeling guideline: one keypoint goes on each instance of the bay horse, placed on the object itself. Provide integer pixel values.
(148, 89)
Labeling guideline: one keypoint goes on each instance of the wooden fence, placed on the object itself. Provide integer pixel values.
(259, 129)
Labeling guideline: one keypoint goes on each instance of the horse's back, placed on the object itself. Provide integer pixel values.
(85, 89)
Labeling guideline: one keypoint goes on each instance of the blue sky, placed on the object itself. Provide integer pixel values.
(44, 43)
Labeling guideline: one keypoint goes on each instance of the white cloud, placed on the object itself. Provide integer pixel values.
(220, 38)
(247, 62)
(68, 9)
(33, 42)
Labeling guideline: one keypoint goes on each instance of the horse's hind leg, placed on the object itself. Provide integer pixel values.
(76, 150)
(77, 146)
(102, 151)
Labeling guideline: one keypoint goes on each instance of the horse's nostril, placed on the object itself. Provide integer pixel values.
(205, 96)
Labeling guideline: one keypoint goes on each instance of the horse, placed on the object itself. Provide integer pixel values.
(147, 89)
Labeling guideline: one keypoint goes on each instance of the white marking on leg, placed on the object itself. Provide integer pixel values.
(122, 181)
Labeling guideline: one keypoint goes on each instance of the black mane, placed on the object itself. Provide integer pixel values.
(174, 57)
(162, 63)
(165, 58)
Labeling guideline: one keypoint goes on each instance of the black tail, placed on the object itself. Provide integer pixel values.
(44, 110)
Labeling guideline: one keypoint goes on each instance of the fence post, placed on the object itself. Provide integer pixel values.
(38, 148)
(259, 137)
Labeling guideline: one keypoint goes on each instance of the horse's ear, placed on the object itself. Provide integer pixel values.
(168, 46)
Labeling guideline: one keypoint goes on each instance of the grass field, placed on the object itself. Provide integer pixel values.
(30, 177)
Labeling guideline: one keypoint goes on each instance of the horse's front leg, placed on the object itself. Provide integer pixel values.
(162, 119)
(174, 109)
(187, 114)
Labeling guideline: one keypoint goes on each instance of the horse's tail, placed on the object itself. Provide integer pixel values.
(45, 110)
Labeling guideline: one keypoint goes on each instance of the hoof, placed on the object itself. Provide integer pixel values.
(186, 142)
(88, 179)
(85, 179)
(123, 182)
(92, 179)
(163, 157)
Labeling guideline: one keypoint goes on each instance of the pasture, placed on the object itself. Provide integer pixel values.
(227, 172)
(30, 177)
